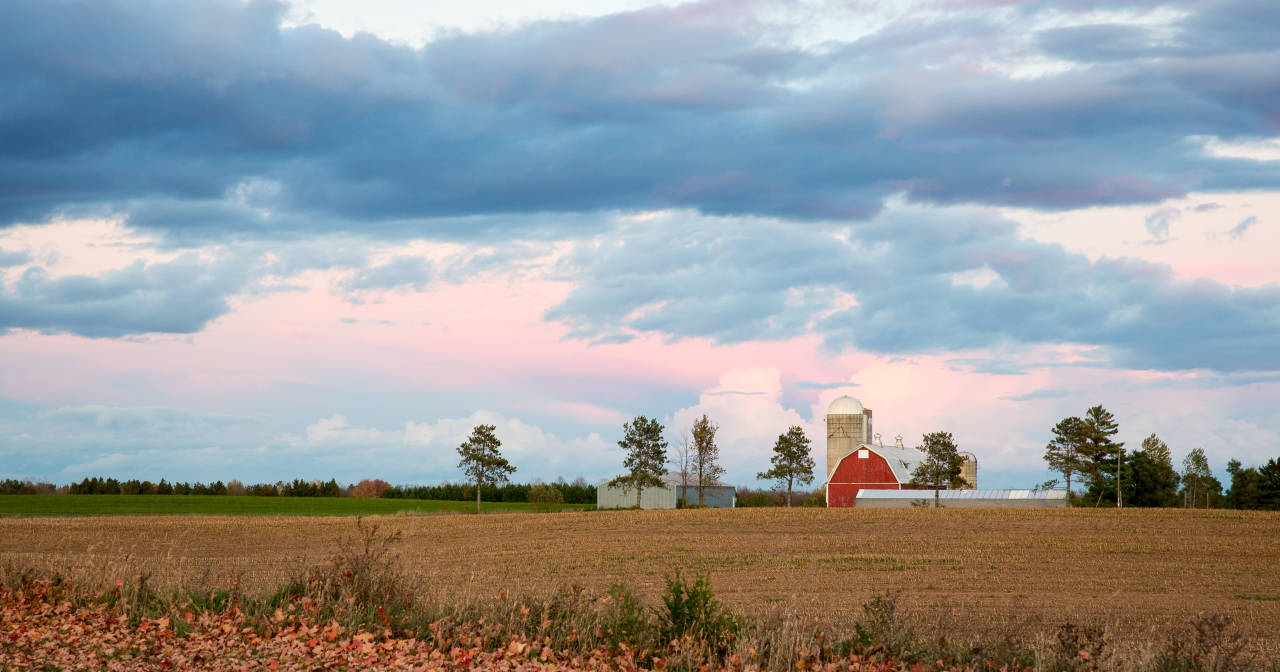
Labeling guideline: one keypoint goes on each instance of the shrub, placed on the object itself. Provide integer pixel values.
(692, 611)
(545, 496)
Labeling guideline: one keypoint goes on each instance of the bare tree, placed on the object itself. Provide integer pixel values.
(683, 462)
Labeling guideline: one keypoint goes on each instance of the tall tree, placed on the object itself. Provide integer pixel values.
(1245, 492)
(1064, 452)
(706, 454)
(683, 462)
(1103, 453)
(481, 460)
(1152, 479)
(646, 455)
(791, 460)
(1269, 484)
(1196, 477)
(942, 464)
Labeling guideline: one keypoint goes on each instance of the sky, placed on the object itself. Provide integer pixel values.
(265, 241)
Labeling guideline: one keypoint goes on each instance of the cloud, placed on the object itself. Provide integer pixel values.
(1038, 394)
(401, 272)
(72, 443)
(14, 257)
(815, 385)
(1158, 222)
(179, 296)
(749, 418)
(735, 280)
(1237, 232)
(259, 130)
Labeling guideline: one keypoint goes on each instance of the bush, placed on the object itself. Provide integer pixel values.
(692, 611)
(545, 496)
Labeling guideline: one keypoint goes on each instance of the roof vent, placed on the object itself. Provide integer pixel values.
(897, 442)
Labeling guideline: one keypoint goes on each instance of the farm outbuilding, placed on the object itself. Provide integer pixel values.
(958, 499)
(719, 495)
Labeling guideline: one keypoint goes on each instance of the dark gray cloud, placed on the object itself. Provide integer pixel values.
(180, 296)
(208, 121)
(908, 275)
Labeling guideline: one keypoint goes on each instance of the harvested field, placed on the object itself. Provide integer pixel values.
(968, 574)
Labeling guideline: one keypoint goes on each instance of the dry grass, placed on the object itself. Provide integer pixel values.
(969, 575)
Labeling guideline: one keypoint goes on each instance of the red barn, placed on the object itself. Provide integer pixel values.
(871, 467)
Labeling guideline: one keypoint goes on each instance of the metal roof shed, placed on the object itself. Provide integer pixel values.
(1011, 499)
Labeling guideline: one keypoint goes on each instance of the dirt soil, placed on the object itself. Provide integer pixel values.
(963, 574)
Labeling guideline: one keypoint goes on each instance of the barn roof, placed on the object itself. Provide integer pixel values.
(963, 494)
(903, 461)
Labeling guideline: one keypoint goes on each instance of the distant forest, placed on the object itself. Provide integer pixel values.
(576, 492)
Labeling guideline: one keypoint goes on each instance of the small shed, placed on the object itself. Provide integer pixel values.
(718, 495)
(959, 499)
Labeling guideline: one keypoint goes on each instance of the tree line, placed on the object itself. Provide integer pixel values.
(1082, 448)
(559, 492)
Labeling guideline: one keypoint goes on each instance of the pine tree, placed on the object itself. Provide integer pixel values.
(1064, 452)
(1102, 453)
(481, 460)
(646, 455)
(791, 460)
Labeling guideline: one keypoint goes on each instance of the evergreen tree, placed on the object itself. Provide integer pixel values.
(1103, 454)
(791, 461)
(706, 454)
(1065, 451)
(1269, 485)
(481, 459)
(646, 455)
(1152, 480)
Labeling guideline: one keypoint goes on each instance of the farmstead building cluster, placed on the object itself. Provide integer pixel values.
(862, 471)
(858, 460)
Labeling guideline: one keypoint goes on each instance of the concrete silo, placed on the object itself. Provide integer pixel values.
(969, 471)
(848, 427)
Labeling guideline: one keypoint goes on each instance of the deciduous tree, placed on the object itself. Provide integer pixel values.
(706, 454)
(942, 464)
(646, 455)
(791, 461)
(1196, 477)
(481, 460)
(683, 462)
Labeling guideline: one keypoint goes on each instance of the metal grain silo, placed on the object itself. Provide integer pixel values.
(848, 427)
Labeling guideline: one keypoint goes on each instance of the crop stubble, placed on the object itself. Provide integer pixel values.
(966, 573)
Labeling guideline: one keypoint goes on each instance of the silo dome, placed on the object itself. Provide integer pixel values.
(845, 405)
